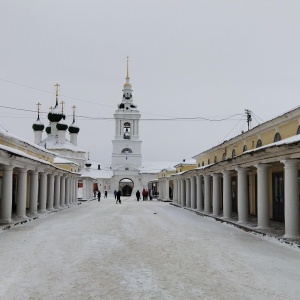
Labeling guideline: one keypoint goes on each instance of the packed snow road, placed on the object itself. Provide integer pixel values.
(142, 250)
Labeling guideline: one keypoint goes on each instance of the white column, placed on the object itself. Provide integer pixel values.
(182, 192)
(63, 191)
(76, 189)
(227, 201)
(199, 193)
(262, 196)
(43, 192)
(207, 194)
(6, 199)
(56, 191)
(193, 192)
(174, 190)
(50, 192)
(33, 192)
(67, 191)
(187, 192)
(179, 191)
(242, 195)
(291, 200)
(167, 186)
(22, 192)
(216, 194)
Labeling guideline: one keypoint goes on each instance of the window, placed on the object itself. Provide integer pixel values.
(224, 156)
(298, 130)
(233, 154)
(208, 161)
(126, 169)
(259, 143)
(127, 131)
(215, 159)
(126, 150)
(245, 148)
(203, 164)
(277, 137)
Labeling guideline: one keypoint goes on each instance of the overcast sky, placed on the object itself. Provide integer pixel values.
(209, 59)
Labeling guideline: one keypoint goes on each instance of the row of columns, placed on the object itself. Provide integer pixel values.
(48, 191)
(195, 192)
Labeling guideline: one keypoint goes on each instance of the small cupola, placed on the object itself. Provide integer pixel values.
(38, 125)
(88, 164)
(55, 114)
(73, 128)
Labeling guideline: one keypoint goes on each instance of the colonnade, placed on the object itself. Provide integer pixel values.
(202, 190)
(39, 190)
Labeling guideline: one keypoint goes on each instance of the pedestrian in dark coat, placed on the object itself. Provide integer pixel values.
(115, 193)
(138, 195)
(99, 196)
(118, 197)
(105, 194)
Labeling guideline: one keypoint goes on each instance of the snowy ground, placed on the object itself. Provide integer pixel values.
(142, 250)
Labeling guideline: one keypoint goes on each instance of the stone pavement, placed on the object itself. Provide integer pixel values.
(276, 229)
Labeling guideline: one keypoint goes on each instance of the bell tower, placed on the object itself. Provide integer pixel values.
(127, 154)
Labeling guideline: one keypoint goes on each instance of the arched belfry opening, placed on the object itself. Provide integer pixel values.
(126, 186)
(127, 131)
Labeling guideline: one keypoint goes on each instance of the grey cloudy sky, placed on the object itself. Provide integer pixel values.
(210, 59)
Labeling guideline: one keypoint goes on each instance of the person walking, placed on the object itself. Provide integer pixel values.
(138, 195)
(99, 196)
(115, 193)
(105, 194)
(118, 197)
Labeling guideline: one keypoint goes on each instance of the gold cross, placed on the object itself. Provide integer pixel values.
(51, 108)
(38, 105)
(57, 85)
(62, 106)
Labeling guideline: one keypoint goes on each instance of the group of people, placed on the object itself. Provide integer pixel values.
(98, 194)
(145, 194)
(117, 196)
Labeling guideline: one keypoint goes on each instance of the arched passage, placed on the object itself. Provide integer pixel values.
(126, 186)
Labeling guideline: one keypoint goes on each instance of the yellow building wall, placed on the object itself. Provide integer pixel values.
(267, 137)
(289, 129)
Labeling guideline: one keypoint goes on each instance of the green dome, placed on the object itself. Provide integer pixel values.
(48, 129)
(73, 128)
(61, 126)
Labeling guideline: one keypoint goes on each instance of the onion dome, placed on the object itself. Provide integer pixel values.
(61, 125)
(48, 129)
(88, 164)
(73, 128)
(38, 125)
(56, 115)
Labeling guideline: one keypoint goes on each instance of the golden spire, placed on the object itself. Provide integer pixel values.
(62, 106)
(57, 85)
(74, 108)
(127, 70)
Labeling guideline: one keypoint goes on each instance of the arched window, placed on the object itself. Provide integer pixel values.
(298, 130)
(259, 143)
(224, 156)
(233, 154)
(245, 148)
(126, 150)
(215, 159)
(208, 161)
(203, 164)
(277, 137)
(127, 131)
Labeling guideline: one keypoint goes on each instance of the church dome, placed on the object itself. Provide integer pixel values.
(48, 129)
(73, 128)
(38, 125)
(88, 164)
(56, 115)
(61, 125)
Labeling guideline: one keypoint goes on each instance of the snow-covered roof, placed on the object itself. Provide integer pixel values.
(10, 135)
(155, 167)
(60, 160)
(52, 143)
(95, 173)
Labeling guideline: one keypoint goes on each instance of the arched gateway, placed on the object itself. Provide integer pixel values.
(126, 186)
